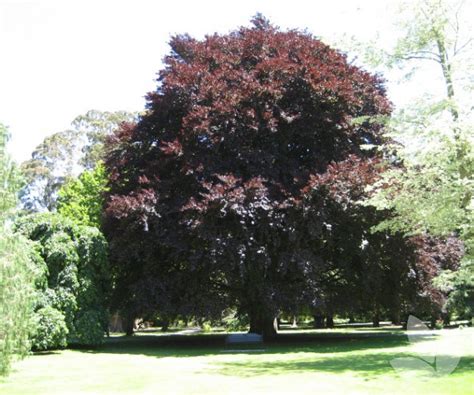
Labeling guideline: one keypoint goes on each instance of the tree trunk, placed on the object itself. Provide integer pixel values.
(395, 312)
(129, 324)
(447, 72)
(263, 324)
(376, 316)
(396, 320)
(165, 326)
(295, 322)
(376, 319)
(318, 321)
(446, 317)
(433, 320)
(329, 321)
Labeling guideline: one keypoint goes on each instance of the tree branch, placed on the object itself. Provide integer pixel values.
(456, 51)
(420, 57)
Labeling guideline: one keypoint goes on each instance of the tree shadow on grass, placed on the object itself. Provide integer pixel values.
(368, 366)
(48, 352)
(204, 345)
(365, 356)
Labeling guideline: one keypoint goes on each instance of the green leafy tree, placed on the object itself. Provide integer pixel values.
(433, 191)
(82, 199)
(77, 284)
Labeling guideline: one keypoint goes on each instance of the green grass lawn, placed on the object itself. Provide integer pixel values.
(336, 362)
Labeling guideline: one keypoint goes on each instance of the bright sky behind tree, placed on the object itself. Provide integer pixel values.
(61, 58)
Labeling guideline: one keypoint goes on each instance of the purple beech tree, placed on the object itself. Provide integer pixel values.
(208, 204)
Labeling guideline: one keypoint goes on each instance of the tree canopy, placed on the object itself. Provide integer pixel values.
(82, 199)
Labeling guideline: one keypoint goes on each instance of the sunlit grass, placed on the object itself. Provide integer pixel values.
(202, 364)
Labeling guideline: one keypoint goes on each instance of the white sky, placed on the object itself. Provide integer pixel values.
(61, 58)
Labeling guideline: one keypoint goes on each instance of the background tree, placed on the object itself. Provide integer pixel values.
(65, 154)
(51, 163)
(96, 126)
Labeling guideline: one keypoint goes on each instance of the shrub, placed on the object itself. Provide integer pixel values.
(77, 278)
(88, 328)
(51, 329)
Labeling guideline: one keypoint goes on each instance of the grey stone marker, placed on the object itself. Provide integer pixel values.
(244, 338)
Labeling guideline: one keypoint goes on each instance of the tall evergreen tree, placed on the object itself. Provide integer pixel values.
(17, 271)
